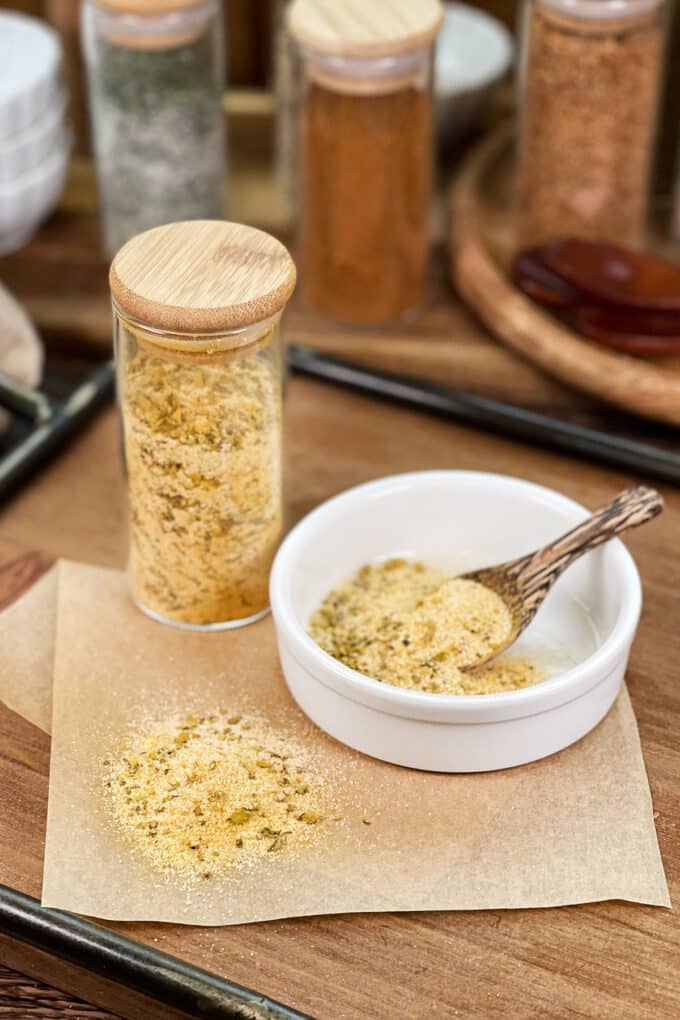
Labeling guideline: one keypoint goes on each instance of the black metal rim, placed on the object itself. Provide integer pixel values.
(157, 975)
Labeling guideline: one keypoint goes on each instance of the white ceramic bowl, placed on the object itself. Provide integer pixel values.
(474, 51)
(461, 520)
(22, 152)
(28, 200)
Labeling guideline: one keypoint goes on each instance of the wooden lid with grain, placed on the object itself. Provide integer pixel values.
(202, 276)
(147, 8)
(364, 28)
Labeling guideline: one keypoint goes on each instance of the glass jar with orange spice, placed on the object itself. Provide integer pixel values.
(364, 154)
(197, 307)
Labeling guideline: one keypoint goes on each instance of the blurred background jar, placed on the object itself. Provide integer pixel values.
(589, 93)
(285, 69)
(197, 310)
(156, 78)
(364, 155)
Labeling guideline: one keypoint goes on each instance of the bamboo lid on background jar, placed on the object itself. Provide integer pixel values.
(146, 8)
(153, 24)
(202, 277)
(601, 17)
(614, 10)
(355, 28)
(359, 47)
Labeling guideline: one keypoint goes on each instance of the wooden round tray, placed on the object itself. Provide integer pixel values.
(481, 237)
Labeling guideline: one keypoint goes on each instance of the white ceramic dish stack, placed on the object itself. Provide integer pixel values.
(474, 52)
(459, 520)
(35, 140)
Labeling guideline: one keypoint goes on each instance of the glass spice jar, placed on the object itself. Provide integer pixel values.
(590, 87)
(364, 155)
(285, 68)
(197, 307)
(156, 80)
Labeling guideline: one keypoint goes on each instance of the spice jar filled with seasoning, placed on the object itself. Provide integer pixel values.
(364, 155)
(156, 79)
(591, 82)
(197, 307)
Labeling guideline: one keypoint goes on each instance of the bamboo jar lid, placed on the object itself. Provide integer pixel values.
(153, 24)
(359, 28)
(146, 8)
(202, 276)
(603, 10)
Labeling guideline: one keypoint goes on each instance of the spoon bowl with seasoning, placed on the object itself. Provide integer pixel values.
(524, 583)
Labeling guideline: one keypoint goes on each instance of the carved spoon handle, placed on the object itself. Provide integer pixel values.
(537, 573)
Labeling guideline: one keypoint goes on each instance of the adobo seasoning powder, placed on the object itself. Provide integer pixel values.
(197, 796)
(410, 625)
(202, 449)
(366, 170)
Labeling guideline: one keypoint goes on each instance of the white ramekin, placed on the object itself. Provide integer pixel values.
(465, 520)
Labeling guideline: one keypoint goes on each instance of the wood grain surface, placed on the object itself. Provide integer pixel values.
(611, 960)
(239, 276)
(24, 999)
(352, 29)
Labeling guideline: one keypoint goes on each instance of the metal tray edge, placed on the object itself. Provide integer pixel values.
(157, 975)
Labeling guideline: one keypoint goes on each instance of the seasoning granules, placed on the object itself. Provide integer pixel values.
(410, 625)
(590, 95)
(198, 796)
(203, 451)
(364, 199)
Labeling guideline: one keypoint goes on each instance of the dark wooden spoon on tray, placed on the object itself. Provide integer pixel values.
(646, 334)
(541, 284)
(615, 275)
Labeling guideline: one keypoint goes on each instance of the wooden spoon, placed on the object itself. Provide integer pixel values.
(646, 334)
(615, 275)
(539, 283)
(524, 583)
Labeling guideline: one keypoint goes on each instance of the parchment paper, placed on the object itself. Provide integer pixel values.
(574, 828)
(27, 636)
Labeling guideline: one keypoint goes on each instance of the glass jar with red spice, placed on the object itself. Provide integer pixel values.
(364, 155)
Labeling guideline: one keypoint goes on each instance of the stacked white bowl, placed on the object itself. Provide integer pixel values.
(35, 140)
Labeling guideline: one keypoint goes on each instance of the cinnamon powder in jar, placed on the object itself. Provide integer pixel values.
(364, 159)
(366, 173)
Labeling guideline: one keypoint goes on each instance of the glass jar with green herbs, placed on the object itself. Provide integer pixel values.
(156, 79)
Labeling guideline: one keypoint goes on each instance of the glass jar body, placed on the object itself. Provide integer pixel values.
(364, 185)
(201, 420)
(155, 92)
(590, 83)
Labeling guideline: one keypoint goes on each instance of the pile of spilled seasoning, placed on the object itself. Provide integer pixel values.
(199, 796)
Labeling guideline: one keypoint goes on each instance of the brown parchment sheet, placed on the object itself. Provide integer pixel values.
(573, 828)
(27, 636)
